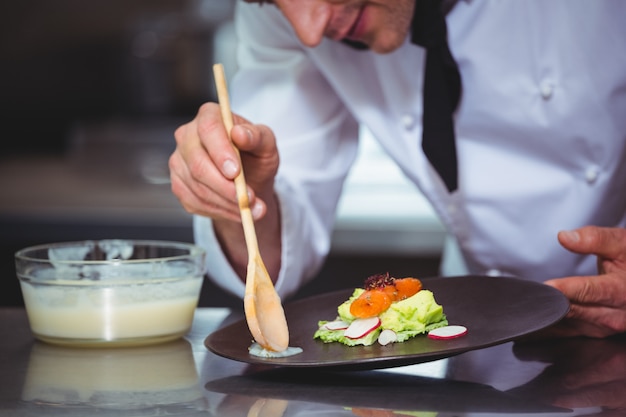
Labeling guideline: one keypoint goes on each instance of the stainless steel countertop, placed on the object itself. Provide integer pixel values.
(569, 377)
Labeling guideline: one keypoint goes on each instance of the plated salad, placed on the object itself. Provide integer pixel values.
(386, 310)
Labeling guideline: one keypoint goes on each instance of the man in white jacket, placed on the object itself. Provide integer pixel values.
(540, 137)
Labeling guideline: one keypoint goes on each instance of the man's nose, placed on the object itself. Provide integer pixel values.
(309, 20)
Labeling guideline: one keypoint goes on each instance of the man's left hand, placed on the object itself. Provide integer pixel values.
(598, 303)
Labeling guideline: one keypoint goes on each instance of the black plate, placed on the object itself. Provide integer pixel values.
(494, 309)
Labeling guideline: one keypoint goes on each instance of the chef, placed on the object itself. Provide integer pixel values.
(535, 93)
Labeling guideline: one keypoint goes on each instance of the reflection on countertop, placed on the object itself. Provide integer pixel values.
(568, 377)
(160, 376)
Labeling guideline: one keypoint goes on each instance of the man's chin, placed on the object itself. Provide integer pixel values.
(356, 44)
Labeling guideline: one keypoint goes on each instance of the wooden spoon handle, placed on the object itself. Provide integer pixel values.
(240, 181)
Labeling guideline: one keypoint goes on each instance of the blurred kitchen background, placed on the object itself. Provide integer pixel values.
(90, 95)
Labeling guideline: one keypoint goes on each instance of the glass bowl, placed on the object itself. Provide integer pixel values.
(110, 292)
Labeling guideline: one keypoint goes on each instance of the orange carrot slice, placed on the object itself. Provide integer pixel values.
(370, 304)
(391, 291)
(407, 287)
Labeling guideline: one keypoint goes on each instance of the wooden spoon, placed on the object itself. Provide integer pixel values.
(262, 306)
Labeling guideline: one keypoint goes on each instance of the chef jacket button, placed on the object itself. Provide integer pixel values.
(493, 272)
(591, 174)
(546, 89)
(408, 121)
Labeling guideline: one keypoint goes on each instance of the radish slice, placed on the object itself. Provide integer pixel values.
(336, 325)
(448, 332)
(362, 327)
(387, 336)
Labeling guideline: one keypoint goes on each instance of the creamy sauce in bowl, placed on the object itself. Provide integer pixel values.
(129, 314)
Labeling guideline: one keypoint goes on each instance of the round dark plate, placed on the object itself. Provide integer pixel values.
(494, 309)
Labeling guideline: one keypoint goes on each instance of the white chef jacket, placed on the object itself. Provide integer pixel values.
(541, 131)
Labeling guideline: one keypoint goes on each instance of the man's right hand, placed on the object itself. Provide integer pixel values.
(204, 165)
(202, 170)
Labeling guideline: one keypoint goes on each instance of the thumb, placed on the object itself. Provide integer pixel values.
(605, 242)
